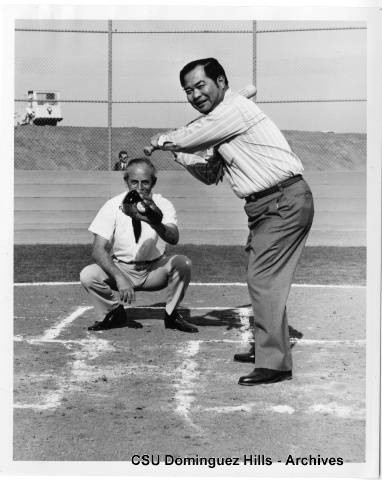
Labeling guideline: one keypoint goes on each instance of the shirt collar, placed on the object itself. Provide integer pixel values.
(228, 93)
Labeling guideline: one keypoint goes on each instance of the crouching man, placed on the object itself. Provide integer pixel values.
(131, 231)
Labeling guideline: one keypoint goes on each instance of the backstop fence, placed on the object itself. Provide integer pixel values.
(118, 85)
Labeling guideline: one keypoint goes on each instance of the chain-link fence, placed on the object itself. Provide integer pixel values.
(115, 83)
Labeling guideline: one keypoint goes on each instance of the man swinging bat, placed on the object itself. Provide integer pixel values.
(236, 140)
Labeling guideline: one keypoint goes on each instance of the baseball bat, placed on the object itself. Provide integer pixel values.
(248, 92)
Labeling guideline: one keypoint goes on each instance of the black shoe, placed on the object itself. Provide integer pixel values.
(114, 319)
(102, 325)
(247, 357)
(130, 323)
(265, 375)
(175, 321)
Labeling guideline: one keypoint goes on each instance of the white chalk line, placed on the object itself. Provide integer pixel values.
(188, 375)
(51, 334)
(243, 313)
(331, 408)
(307, 341)
(238, 310)
(143, 307)
(199, 284)
(54, 332)
(79, 370)
(301, 341)
(251, 406)
(94, 346)
(245, 329)
(185, 395)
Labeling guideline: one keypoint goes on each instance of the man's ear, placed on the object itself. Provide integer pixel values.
(154, 180)
(220, 81)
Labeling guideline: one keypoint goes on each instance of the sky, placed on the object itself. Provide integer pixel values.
(303, 65)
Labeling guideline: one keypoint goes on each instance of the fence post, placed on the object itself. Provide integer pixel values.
(254, 56)
(110, 90)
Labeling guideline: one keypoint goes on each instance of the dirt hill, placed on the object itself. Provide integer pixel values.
(86, 148)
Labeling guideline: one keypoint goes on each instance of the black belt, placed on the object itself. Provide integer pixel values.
(140, 263)
(274, 189)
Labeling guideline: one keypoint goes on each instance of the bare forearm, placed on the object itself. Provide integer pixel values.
(167, 233)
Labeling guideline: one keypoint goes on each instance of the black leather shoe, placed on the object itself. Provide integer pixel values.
(114, 319)
(265, 375)
(247, 357)
(175, 321)
(130, 323)
(102, 325)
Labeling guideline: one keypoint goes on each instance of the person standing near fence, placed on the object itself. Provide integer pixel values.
(250, 151)
(123, 158)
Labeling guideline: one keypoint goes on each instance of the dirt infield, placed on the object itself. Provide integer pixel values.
(82, 395)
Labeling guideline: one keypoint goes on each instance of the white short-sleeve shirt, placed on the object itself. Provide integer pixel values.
(111, 223)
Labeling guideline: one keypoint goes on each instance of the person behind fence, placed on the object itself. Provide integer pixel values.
(29, 116)
(29, 113)
(123, 158)
(129, 250)
(250, 151)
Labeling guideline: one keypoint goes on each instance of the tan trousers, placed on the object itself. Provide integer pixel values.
(173, 272)
(279, 225)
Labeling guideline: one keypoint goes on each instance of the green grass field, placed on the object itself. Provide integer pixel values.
(211, 263)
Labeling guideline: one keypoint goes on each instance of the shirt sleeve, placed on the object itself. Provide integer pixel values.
(207, 167)
(224, 122)
(104, 222)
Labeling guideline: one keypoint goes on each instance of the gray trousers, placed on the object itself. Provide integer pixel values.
(173, 272)
(279, 225)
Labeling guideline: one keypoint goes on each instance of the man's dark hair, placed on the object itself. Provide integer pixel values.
(212, 69)
(138, 161)
(122, 152)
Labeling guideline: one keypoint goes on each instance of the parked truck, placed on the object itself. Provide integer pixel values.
(43, 108)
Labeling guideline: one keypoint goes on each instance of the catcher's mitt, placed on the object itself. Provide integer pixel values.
(141, 208)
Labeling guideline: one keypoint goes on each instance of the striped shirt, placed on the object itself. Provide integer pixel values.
(256, 154)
